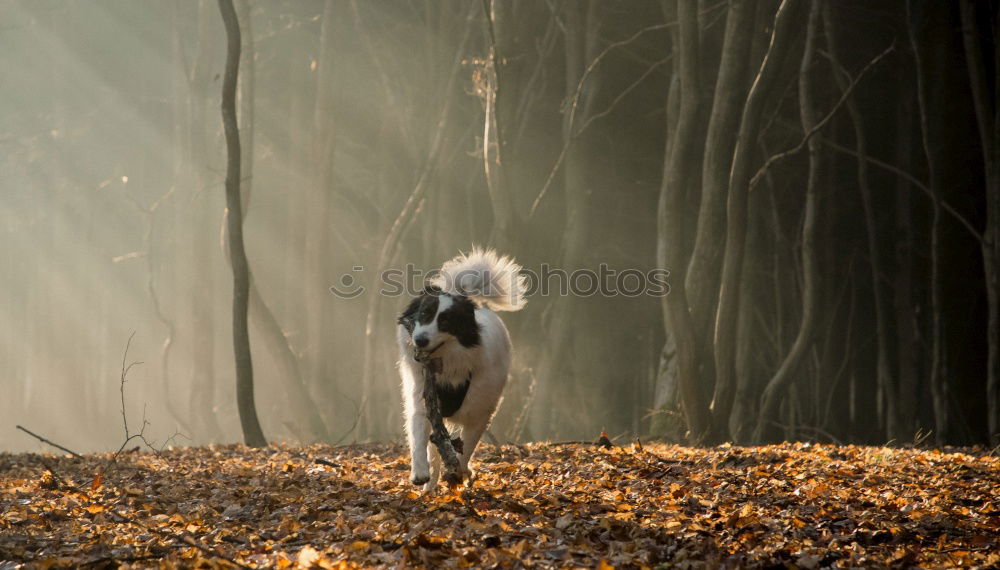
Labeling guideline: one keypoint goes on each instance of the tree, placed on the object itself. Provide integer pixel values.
(252, 434)
(988, 123)
(670, 248)
(774, 392)
(786, 24)
(702, 280)
(888, 395)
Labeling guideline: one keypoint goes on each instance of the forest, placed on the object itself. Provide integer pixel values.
(214, 212)
(819, 184)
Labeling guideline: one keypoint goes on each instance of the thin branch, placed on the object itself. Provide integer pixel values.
(574, 103)
(822, 122)
(965, 223)
(614, 103)
(45, 441)
(354, 425)
(182, 537)
(124, 376)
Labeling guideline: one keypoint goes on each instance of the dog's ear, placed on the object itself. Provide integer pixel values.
(409, 317)
(432, 290)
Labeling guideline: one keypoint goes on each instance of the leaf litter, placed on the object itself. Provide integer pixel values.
(536, 505)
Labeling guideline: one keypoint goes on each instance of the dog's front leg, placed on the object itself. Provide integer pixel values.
(435, 460)
(417, 425)
(419, 434)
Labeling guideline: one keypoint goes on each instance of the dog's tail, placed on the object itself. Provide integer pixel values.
(484, 276)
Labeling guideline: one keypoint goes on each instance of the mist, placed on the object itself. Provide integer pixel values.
(851, 299)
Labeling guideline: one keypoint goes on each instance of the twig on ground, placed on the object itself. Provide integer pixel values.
(53, 444)
(133, 558)
(326, 462)
(182, 537)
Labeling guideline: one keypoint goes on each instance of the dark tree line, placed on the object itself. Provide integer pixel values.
(820, 178)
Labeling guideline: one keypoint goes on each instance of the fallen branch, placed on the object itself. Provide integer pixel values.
(181, 537)
(439, 434)
(45, 441)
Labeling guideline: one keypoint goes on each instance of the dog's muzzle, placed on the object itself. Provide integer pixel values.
(423, 355)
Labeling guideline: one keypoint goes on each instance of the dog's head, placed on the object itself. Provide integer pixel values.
(437, 319)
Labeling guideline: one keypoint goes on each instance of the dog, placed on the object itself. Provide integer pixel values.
(455, 320)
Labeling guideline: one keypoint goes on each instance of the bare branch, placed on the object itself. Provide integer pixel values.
(124, 375)
(575, 101)
(181, 537)
(45, 441)
(912, 180)
(822, 122)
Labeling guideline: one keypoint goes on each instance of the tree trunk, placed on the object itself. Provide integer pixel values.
(988, 121)
(907, 352)
(252, 434)
(702, 281)
(939, 388)
(495, 134)
(888, 396)
(303, 405)
(319, 319)
(672, 210)
(557, 370)
(247, 91)
(776, 388)
(203, 218)
(786, 24)
(181, 138)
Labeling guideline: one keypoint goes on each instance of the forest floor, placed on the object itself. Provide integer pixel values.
(537, 505)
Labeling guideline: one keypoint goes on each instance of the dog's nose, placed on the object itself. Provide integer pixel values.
(421, 341)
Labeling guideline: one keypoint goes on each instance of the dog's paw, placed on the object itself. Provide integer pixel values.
(466, 473)
(419, 478)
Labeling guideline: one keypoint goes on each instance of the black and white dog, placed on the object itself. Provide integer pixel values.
(455, 320)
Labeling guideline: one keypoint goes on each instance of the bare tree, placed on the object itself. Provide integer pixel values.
(310, 427)
(252, 434)
(702, 280)
(786, 25)
(580, 37)
(774, 392)
(495, 131)
(887, 400)
(925, 67)
(988, 123)
(197, 207)
(670, 250)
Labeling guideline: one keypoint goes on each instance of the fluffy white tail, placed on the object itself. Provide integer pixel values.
(486, 277)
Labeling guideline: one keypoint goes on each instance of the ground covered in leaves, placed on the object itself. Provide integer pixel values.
(537, 505)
